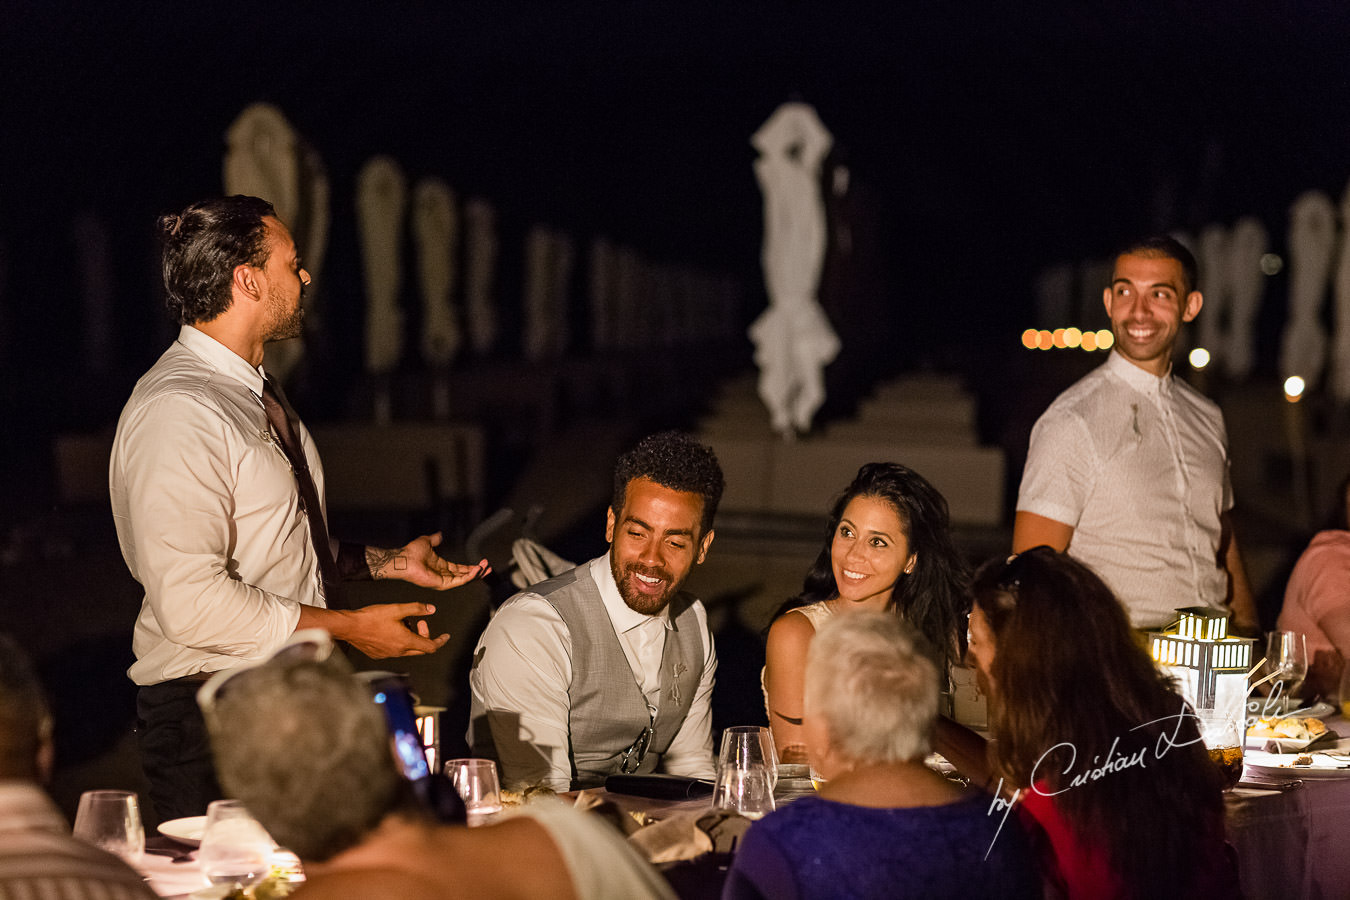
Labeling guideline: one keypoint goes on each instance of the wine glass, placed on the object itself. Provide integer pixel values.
(744, 787)
(111, 820)
(235, 849)
(1287, 657)
(749, 744)
(476, 782)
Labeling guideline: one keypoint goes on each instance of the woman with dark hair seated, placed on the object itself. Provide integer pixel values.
(884, 824)
(1089, 739)
(887, 549)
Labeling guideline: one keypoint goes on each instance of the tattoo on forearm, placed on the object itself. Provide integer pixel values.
(378, 559)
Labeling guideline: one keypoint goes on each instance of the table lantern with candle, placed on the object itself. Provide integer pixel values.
(1210, 669)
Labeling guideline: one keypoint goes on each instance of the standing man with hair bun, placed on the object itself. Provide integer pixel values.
(217, 495)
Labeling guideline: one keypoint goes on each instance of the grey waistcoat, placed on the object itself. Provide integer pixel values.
(607, 708)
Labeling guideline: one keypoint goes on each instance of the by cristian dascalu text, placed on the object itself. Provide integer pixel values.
(1100, 767)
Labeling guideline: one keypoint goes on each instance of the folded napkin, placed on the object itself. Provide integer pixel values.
(690, 833)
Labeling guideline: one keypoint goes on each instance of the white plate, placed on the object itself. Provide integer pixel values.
(188, 829)
(1282, 765)
(1286, 745)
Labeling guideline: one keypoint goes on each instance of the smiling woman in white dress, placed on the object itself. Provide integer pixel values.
(888, 547)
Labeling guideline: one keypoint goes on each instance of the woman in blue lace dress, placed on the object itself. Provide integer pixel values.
(883, 824)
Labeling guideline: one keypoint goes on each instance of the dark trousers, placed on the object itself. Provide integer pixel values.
(175, 749)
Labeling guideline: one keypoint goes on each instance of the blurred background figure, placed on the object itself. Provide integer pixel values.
(883, 824)
(303, 744)
(888, 548)
(38, 856)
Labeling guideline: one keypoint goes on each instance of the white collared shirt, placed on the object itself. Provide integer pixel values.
(530, 650)
(208, 515)
(1138, 465)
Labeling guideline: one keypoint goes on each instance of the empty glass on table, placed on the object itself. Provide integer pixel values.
(111, 820)
(235, 849)
(476, 782)
(746, 744)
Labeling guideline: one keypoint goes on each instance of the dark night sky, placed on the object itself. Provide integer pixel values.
(997, 137)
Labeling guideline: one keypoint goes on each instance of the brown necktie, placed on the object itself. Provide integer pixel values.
(284, 424)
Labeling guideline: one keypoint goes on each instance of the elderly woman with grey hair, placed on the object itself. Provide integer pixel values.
(302, 743)
(884, 824)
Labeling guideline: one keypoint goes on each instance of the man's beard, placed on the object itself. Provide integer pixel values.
(638, 602)
(284, 324)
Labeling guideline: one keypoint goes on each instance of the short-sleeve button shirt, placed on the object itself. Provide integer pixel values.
(1138, 465)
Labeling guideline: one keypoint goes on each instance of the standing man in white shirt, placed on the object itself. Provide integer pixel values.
(210, 509)
(609, 668)
(1128, 468)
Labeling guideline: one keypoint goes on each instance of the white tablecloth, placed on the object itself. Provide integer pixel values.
(1294, 843)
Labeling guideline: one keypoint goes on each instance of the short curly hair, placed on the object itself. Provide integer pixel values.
(675, 460)
(202, 245)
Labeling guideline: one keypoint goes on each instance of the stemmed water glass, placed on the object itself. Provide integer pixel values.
(1287, 658)
(111, 820)
(235, 849)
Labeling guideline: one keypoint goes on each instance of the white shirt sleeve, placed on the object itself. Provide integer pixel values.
(178, 484)
(520, 677)
(1060, 468)
(691, 750)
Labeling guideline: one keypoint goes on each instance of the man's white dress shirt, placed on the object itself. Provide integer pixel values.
(208, 515)
(1138, 465)
(527, 668)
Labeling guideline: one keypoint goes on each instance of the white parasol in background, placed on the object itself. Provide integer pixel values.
(480, 254)
(261, 161)
(381, 200)
(793, 339)
(436, 231)
(1312, 237)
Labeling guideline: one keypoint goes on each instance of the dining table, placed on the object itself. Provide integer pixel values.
(1290, 823)
(1289, 826)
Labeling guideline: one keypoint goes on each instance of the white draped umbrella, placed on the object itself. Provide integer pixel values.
(381, 198)
(262, 162)
(562, 258)
(1214, 270)
(481, 264)
(538, 252)
(436, 232)
(1247, 283)
(1312, 241)
(793, 339)
(603, 275)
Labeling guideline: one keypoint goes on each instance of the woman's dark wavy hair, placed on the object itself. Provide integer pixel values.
(933, 597)
(202, 245)
(1067, 670)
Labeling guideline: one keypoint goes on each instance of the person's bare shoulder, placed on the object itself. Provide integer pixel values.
(791, 632)
(362, 884)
